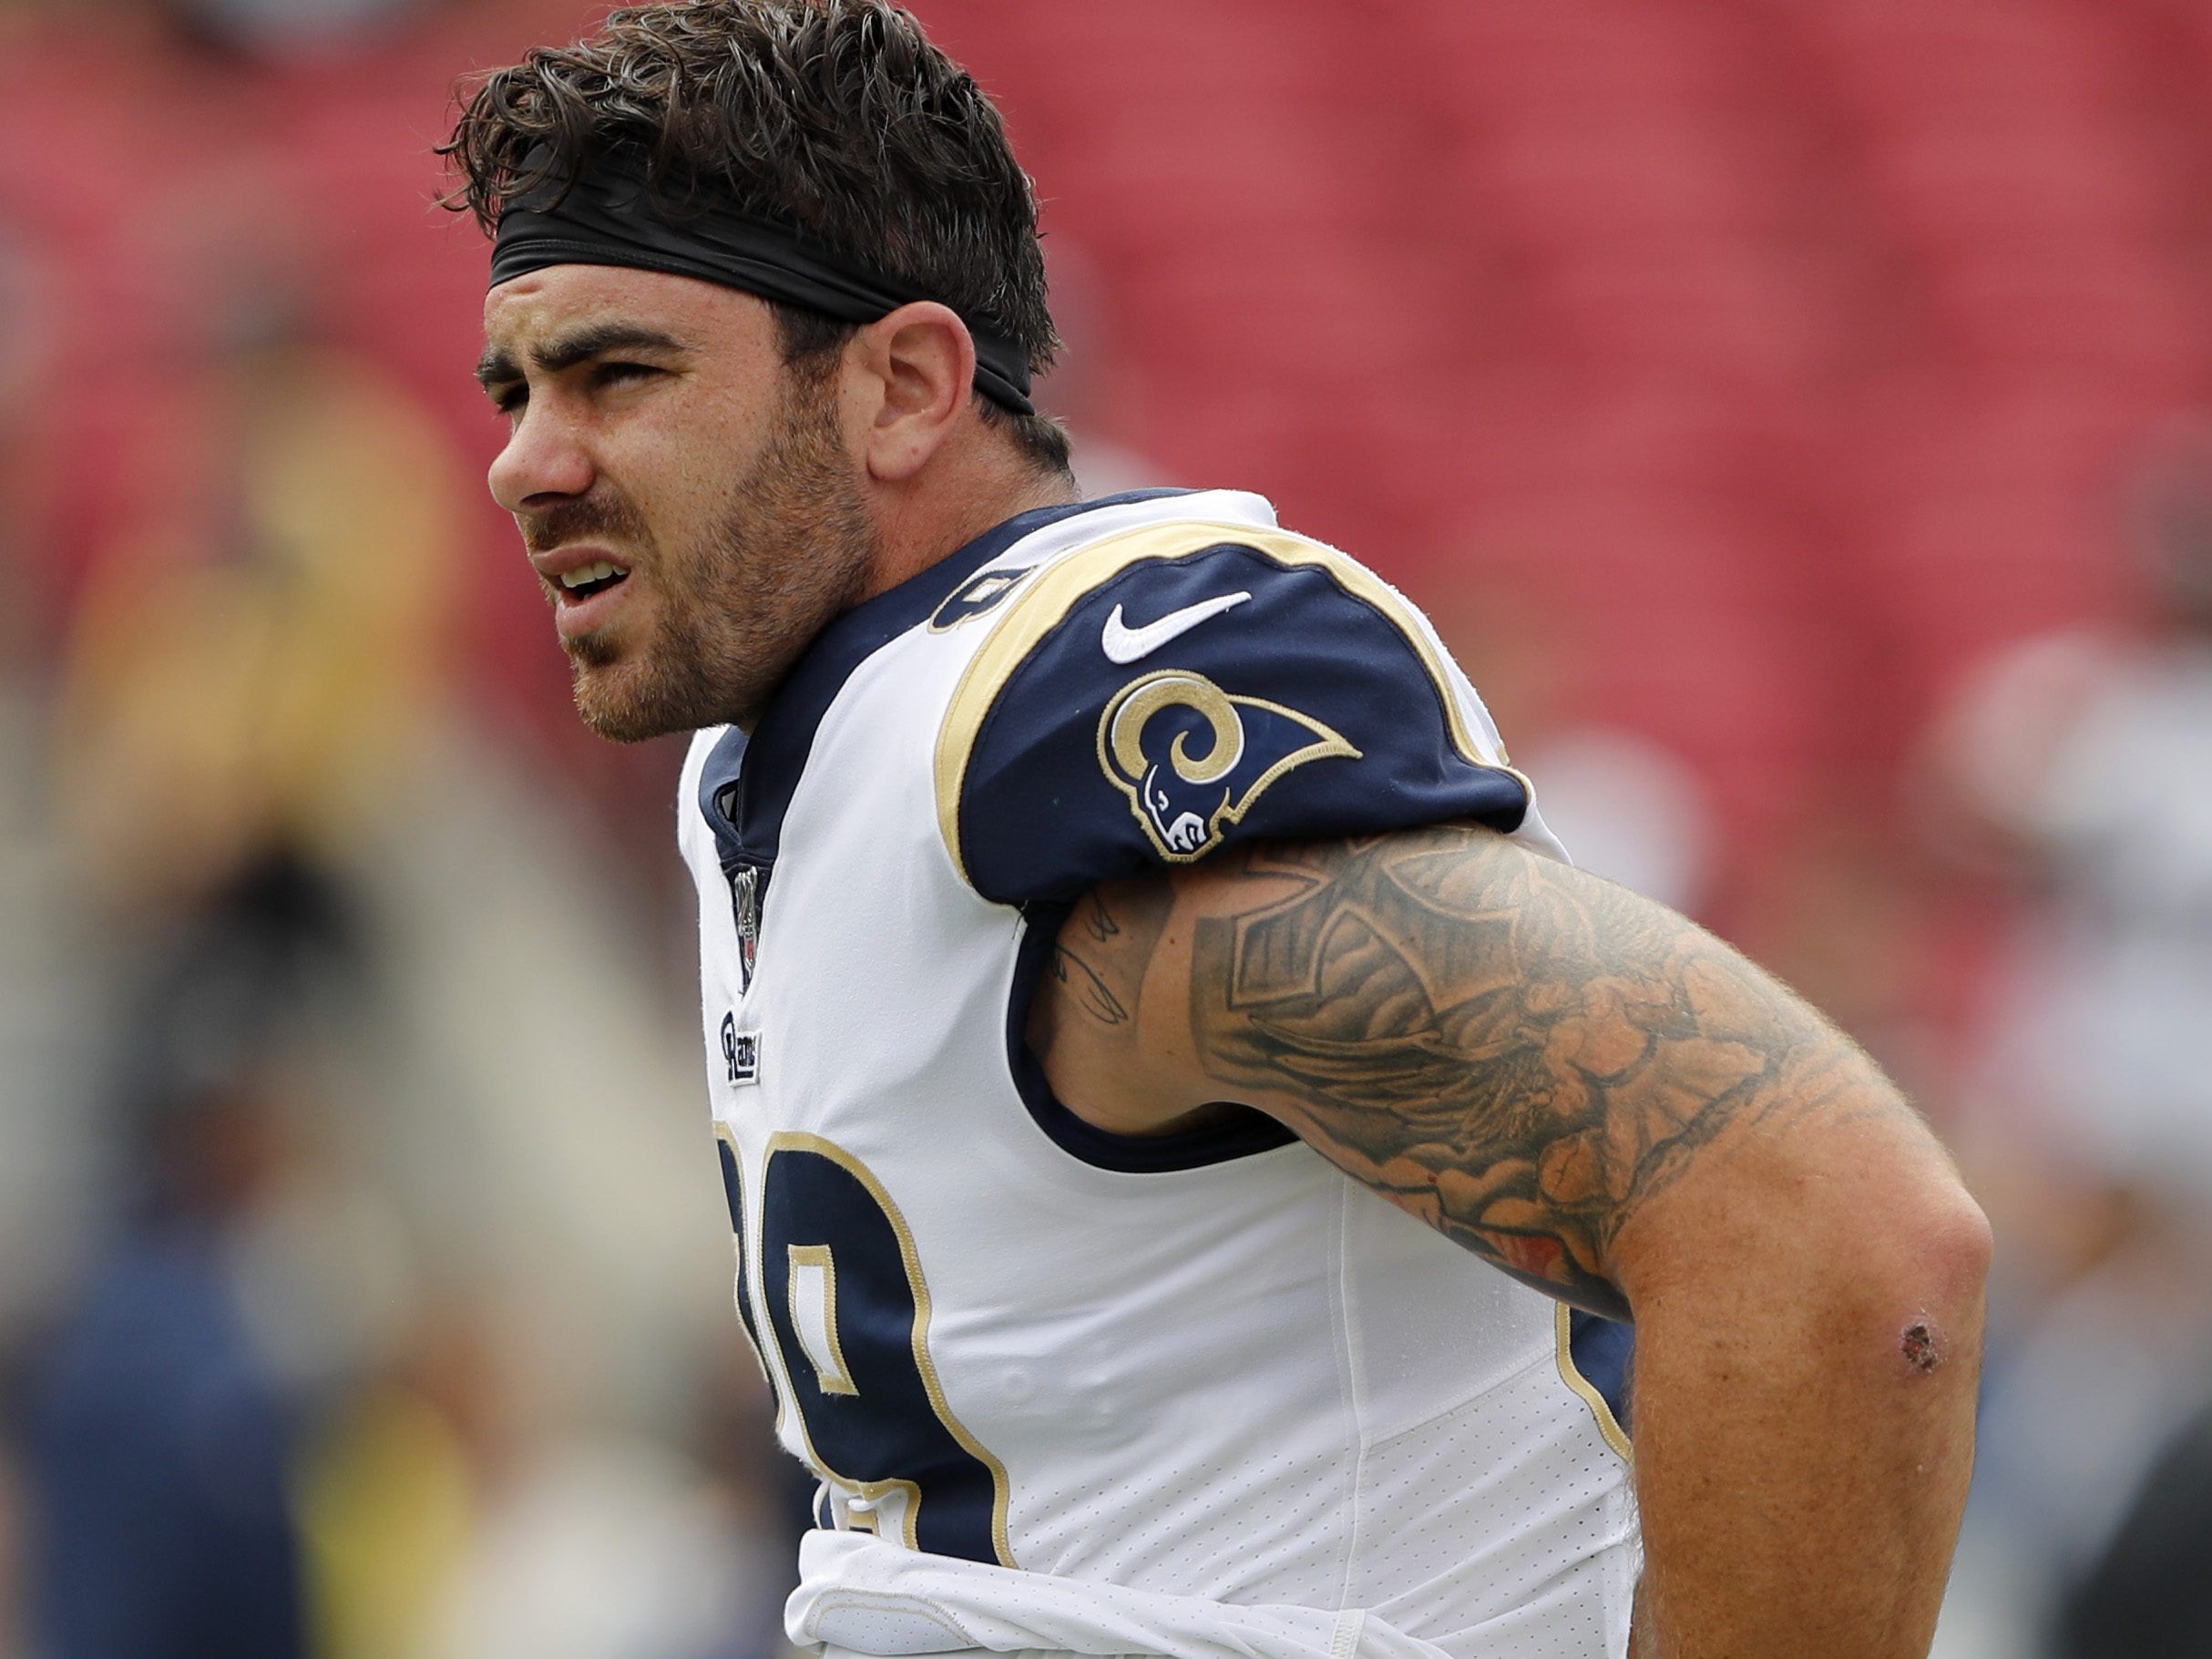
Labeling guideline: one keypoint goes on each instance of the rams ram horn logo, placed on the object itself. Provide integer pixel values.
(1183, 799)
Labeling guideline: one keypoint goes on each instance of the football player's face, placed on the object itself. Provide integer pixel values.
(687, 500)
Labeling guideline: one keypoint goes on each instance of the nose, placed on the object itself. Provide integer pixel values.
(542, 461)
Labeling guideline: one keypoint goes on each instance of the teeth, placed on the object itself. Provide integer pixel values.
(597, 572)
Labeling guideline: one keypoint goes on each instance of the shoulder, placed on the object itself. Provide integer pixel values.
(1152, 696)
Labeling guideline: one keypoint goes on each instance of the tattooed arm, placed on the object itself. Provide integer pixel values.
(1603, 1100)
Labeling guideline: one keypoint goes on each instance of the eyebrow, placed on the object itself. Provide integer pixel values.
(498, 368)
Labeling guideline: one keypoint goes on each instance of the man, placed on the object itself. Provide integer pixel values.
(1121, 929)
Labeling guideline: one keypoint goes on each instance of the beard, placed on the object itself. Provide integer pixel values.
(793, 551)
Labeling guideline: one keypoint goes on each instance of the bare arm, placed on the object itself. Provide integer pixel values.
(1600, 1097)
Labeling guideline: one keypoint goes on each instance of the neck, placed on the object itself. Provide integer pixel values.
(921, 531)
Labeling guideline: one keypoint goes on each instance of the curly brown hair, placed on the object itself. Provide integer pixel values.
(838, 118)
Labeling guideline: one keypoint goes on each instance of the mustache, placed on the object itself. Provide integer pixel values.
(593, 518)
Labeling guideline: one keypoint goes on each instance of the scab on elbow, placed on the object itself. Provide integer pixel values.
(1922, 1347)
(1958, 1252)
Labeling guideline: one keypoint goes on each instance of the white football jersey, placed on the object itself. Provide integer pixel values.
(1205, 1364)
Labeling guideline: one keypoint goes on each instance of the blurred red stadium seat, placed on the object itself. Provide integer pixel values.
(1731, 312)
(1580, 52)
(1902, 63)
(1690, 628)
(2100, 315)
(1915, 439)
(1622, 181)
(2039, 180)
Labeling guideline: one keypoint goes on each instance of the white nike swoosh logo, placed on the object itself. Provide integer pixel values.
(1125, 644)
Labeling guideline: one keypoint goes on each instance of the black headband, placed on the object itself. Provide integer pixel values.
(607, 216)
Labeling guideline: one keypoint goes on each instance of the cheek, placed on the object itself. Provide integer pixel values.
(683, 477)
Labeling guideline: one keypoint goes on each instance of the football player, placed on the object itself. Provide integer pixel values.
(1196, 1148)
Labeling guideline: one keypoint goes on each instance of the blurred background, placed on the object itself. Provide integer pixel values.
(1797, 413)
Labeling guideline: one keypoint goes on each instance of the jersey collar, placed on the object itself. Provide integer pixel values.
(746, 786)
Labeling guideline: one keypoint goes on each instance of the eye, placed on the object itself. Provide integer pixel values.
(621, 374)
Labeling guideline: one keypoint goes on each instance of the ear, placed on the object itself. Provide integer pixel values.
(920, 363)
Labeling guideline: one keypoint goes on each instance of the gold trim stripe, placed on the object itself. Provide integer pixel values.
(1023, 625)
(1608, 1425)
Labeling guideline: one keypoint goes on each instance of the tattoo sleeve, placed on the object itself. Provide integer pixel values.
(1516, 1051)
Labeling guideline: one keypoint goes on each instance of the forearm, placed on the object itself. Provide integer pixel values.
(1804, 1414)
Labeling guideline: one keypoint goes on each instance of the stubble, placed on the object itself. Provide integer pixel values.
(793, 552)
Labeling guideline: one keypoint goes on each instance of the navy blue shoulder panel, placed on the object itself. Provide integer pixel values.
(1187, 703)
(1606, 1355)
(746, 786)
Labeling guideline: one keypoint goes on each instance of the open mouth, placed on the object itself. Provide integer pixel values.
(595, 578)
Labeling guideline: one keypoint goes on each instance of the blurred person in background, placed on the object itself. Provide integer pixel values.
(2089, 755)
(453, 1509)
(161, 1434)
(2081, 765)
(446, 1370)
(2145, 1596)
(44, 996)
(290, 28)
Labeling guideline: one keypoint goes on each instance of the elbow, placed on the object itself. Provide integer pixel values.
(1918, 1271)
(1856, 1221)
(1953, 1247)
(1860, 1228)
(1956, 1240)
(1915, 1225)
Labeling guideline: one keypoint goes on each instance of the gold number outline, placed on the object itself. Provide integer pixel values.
(870, 1491)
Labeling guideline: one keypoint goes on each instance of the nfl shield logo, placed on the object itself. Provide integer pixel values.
(745, 903)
